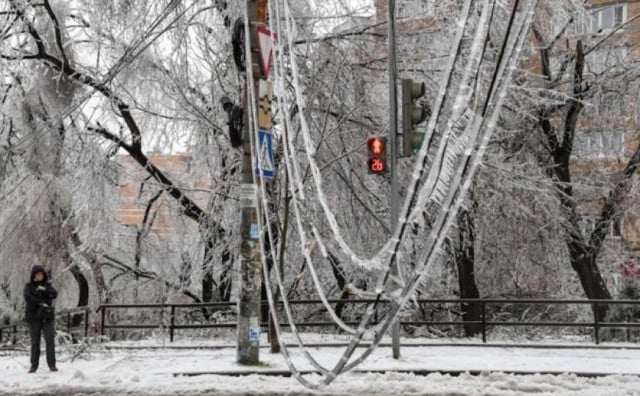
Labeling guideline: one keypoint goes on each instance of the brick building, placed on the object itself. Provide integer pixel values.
(607, 129)
(136, 191)
(606, 135)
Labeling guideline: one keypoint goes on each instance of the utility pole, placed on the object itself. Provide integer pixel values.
(248, 322)
(395, 187)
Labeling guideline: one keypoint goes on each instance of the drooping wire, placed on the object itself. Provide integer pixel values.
(343, 360)
(471, 162)
(458, 188)
(264, 225)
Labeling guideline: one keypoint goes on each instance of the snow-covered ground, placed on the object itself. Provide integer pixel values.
(120, 370)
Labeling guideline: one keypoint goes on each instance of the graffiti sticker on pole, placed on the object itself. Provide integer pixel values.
(254, 232)
(254, 334)
(248, 195)
(265, 93)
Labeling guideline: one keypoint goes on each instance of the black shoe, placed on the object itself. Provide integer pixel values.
(32, 370)
(53, 368)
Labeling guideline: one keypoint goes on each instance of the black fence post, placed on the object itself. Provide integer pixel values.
(86, 322)
(172, 322)
(484, 323)
(1, 332)
(104, 311)
(68, 322)
(628, 319)
(15, 335)
(596, 324)
(162, 325)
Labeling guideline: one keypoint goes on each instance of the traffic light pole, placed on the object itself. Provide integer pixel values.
(248, 323)
(395, 187)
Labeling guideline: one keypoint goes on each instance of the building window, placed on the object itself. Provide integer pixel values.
(598, 144)
(587, 224)
(600, 19)
(599, 61)
(605, 59)
(612, 103)
(607, 103)
(411, 9)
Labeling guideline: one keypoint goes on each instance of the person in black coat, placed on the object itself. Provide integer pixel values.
(39, 296)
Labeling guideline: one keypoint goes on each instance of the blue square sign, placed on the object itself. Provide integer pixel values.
(254, 334)
(264, 155)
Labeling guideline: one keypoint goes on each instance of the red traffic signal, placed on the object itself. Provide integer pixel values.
(377, 162)
(377, 145)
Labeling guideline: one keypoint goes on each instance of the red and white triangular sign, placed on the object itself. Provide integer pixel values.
(266, 41)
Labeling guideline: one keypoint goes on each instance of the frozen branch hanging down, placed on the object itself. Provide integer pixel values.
(75, 46)
(134, 145)
(336, 171)
(451, 177)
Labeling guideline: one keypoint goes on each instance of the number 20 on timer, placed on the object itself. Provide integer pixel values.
(377, 162)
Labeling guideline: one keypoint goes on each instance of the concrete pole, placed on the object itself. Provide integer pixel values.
(248, 322)
(393, 131)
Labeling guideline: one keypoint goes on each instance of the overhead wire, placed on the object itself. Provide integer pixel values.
(264, 220)
(472, 159)
(473, 153)
(394, 242)
(329, 377)
(288, 150)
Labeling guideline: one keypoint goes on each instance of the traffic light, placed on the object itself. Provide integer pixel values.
(412, 115)
(377, 162)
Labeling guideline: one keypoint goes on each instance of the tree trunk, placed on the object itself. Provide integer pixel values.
(464, 258)
(582, 255)
(101, 286)
(104, 295)
(338, 273)
(83, 286)
(208, 282)
(264, 308)
(83, 293)
(594, 286)
(224, 285)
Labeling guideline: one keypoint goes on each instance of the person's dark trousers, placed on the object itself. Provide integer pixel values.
(36, 330)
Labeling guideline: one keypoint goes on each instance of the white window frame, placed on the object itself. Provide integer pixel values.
(597, 62)
(595, 144)
(583, 27)
(587, 224)
(615, 102)
(600, 60)
(411, 9)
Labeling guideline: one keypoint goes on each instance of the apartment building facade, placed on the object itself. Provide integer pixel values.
(607, 129)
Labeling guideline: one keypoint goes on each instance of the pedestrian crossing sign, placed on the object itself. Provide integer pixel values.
(264, 156)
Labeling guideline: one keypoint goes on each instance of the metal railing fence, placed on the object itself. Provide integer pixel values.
(484, 322)
(75, 320)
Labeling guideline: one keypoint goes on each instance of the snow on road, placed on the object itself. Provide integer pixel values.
(147, 371)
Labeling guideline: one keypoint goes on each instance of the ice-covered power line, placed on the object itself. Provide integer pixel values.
(459, 159)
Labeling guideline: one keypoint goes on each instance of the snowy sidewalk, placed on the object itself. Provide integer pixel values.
(448, 359)
(152, 372)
